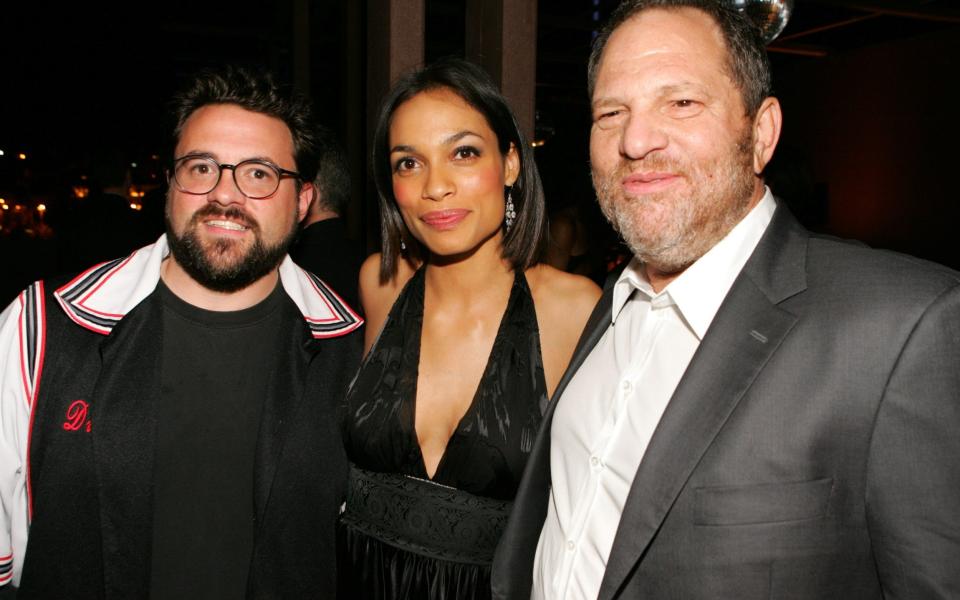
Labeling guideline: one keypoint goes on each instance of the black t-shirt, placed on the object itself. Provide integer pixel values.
(215, 374)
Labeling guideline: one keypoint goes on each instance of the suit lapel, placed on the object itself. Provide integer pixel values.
(596, 325)
(513, 563)
(745, 333)
(592, 332)
(284, 395)
(124, 441)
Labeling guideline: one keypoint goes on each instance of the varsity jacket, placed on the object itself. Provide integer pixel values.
(79, 379)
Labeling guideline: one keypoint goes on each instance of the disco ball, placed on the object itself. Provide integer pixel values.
(770, 16)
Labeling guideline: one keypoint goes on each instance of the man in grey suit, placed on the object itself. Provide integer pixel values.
(753, 411)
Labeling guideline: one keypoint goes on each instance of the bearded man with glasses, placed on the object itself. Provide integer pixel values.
(184, 441)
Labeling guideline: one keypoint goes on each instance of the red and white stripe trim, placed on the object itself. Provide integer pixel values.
(6, 569)
(101, 296)
(32, 330)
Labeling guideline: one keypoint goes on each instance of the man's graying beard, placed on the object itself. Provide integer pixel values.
(692, 224)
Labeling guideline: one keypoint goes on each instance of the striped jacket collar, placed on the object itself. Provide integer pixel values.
(101, 296)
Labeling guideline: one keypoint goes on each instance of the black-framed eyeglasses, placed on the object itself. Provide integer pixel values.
(256, 179)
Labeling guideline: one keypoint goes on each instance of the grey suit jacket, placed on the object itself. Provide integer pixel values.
(811, 450)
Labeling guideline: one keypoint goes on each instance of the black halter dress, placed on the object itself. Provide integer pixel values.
(404, 535)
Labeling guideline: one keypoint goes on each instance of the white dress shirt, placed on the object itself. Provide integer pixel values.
(609, 411)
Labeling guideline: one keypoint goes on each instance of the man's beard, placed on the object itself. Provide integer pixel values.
(669, 230)
(210, 263)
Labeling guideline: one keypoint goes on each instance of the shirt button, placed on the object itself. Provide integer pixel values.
(627, 387)
(594, 461)
(571, 545)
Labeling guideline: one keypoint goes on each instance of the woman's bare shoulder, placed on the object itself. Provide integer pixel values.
(370, 277)
(562, 299)
(563, 302)
(377, 297)
(553, 285)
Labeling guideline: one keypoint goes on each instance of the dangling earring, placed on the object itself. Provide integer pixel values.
(510, 213)
(403, 246)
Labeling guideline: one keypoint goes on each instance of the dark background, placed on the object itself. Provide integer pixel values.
(869, 92)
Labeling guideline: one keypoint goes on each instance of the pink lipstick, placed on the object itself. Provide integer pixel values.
(444, 219)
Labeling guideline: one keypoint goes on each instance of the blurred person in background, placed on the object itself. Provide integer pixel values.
(322, 247)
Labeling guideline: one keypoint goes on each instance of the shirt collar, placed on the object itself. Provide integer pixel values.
(101, 296)
(699, 290)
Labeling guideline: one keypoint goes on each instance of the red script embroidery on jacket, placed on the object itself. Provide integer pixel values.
(77, 416)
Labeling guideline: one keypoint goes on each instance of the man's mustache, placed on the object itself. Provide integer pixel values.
(233, 214)
(661, 164)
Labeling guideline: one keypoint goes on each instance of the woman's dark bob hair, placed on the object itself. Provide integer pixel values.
(523, 244)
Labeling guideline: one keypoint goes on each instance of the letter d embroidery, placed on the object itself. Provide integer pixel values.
(77, 416)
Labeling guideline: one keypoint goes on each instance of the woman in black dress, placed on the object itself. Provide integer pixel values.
(467, 336)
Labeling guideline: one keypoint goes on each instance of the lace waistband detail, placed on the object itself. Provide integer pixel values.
(424, 517)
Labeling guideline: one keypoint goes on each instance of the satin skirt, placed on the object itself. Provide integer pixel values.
(406, 538)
